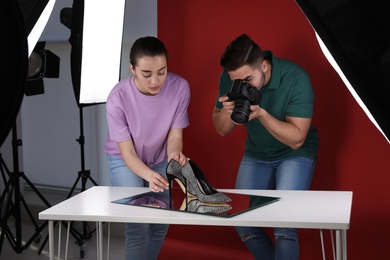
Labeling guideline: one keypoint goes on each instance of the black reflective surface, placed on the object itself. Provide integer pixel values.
(179, 202)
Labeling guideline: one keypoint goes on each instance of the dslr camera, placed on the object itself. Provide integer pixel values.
(244, 95)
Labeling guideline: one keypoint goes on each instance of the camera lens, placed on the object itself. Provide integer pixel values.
(241, 111)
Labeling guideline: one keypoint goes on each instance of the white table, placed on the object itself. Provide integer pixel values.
(296, 209)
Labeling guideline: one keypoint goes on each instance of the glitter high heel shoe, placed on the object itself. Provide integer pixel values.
(196, 184)
(201, 207)
(173, 172)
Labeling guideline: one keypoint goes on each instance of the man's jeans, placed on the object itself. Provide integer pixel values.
(293, 173)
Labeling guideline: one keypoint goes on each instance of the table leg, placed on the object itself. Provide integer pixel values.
(108, 240)
(341, 244)
(51, 239)
(344, 241)
(59, 241)
(67, 241)
(101, 240)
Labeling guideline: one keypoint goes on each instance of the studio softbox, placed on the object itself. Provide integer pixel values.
(355, 37)
(22, 22)
(96, 39)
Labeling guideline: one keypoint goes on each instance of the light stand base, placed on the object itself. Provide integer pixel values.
(11, 201)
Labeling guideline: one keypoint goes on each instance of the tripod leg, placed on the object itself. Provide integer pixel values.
(43, 244)
(76, 236)
(8, 208)
(36, 237)
(19, 198)
(73, 187)
(36, 191)
(4, 169)
(93, 181)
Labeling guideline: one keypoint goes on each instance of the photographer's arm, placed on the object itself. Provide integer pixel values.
(157, 182)
(221, 117)
(293, 132)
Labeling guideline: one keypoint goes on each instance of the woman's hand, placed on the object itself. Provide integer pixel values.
(179, 157)
(157, 182)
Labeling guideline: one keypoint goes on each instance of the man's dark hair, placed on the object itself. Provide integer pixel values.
(241, 51)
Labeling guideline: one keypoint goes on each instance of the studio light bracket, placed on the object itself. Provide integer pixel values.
(42, 64)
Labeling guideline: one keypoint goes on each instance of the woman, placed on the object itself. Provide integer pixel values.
(146, 115)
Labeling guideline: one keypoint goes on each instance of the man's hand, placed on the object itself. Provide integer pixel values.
(228, 106)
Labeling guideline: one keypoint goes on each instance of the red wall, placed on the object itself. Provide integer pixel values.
(353, 155)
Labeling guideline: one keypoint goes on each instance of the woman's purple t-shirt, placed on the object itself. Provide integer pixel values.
(146, 120)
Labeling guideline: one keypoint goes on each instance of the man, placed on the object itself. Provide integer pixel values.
(282, 144)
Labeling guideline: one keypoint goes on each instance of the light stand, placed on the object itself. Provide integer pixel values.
(83, 175)
(86, 16)
(11, 201)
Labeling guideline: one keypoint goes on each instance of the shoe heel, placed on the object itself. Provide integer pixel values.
(198, 185)
(174, 172)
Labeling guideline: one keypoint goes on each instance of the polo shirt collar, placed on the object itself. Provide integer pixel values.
(274, 81)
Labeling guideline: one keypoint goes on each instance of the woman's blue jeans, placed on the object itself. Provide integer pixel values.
(142, 241)
(294, 173)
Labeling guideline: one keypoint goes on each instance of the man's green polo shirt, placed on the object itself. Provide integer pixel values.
(288, 93)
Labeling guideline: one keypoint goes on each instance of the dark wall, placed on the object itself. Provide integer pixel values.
(353, 154)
